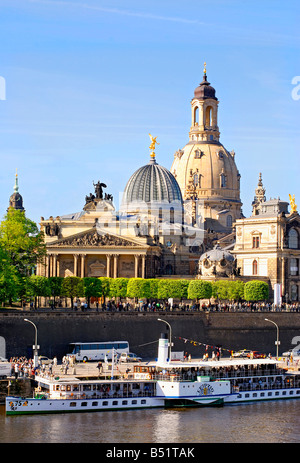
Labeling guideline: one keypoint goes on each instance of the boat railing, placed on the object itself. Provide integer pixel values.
(217, 376)
(105, 395)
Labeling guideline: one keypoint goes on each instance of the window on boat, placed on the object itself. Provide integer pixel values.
(83, 404)
(86, 387)
(94, 404)
(269, 394)
(73, 404)
(124, 402)
(134, 402)
(115, 402)
(291, 392)
(143, 401)
(105, 403)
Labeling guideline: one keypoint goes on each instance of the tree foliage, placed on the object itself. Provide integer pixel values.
(22, 241)
(118, 287)
(21, 248)
(200, 289)
(72, 287)
(256, 290)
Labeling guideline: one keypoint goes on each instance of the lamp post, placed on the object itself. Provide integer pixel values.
(277, 340)
(170, 338)
(35, 347)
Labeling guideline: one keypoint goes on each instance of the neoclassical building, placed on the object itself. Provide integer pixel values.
(268, 244)
(144, 239)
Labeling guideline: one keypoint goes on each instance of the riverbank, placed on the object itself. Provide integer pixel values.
(231, 331)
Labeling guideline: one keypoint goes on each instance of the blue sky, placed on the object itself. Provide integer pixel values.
(86, 81)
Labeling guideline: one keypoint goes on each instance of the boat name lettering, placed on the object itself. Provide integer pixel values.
(18, 403)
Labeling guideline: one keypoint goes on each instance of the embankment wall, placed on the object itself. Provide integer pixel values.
(235, 331)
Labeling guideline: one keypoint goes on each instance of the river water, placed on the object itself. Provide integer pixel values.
(260, 422)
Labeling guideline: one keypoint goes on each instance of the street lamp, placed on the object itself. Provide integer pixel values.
(170, 341)
(277, 340)
(35, 347)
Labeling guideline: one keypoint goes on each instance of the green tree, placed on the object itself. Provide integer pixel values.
(153, 288)
(55, 287)
(236, 290)
(9, 279)
(105, 284)
(118, 287)
(92, 288)
(37, 286)
(22, 241)
(139, 288)
(199, 289)
(256, 290)
(72, 287)
(220, 289)
(163, 289)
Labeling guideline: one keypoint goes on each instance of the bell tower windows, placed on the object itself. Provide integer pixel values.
(209, 117)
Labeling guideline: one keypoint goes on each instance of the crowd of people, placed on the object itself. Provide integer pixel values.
(165, 306)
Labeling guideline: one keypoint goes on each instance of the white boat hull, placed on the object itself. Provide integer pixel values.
(22, 406)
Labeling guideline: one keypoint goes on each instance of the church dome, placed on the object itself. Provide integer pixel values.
(217, 254)
(217, 262)
(152, 183)
(205, 90)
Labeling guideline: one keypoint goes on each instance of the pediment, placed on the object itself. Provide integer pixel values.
(93, 238)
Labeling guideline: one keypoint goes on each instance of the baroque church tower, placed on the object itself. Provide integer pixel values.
(16, 200)
(204, 169)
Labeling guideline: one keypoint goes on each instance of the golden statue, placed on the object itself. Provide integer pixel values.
(204, 70)
(293, 204)
(152, 146)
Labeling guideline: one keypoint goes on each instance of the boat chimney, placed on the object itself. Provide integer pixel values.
(163, 349)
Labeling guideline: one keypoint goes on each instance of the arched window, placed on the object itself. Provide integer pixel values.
(209, 116)
(255, 267)
(196, 179)
(229, 221)
(223, 181)
(196, 116)
(293, 239)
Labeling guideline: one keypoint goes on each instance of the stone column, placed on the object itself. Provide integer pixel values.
(116, 265)
(54, 265)
(108, 259)
(143, 265)
(136, 266)
(75, 264)
(82, 265)
(58, 266)
(48, 265)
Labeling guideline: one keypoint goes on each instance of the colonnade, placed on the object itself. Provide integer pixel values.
(53, 262)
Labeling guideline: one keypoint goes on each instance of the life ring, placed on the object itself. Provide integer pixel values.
(39, 389)
(148, 376)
